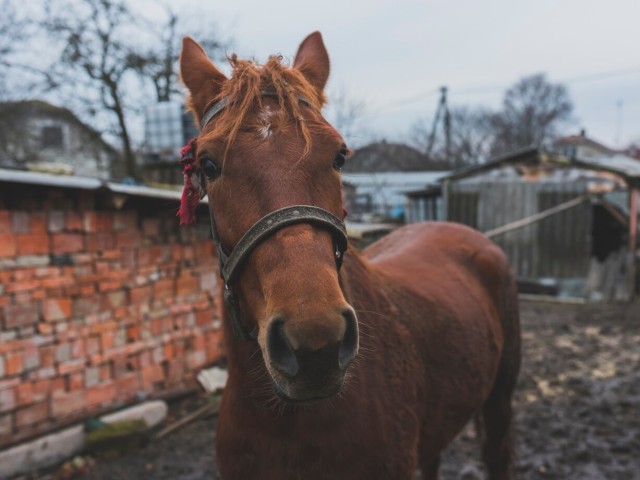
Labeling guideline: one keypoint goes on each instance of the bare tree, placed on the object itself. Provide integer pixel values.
(346, 114)
(13, 32)
(158, 61)
(532, 111)
(469, 142)
(95, 50)
(108, 51)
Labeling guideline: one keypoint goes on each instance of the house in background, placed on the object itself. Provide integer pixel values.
(567, 223)
(379, 175)
(37, 135)
(581, 146)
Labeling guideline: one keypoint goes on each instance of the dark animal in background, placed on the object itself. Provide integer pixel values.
(342, 365)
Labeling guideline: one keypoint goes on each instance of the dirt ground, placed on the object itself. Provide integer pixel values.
(578, 407)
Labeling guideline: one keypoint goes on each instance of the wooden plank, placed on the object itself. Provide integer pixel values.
(538, 216)
(633, 239)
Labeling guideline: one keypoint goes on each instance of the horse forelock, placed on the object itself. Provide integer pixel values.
(245, 90)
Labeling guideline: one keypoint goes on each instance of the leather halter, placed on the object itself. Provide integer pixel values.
(231, 264)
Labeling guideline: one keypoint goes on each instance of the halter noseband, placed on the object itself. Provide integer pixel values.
(231, 265)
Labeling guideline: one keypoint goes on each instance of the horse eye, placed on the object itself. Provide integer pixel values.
(338, 162)
(210, 168)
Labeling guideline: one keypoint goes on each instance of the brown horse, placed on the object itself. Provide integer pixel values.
(342, 365)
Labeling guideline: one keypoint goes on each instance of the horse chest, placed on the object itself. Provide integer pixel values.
(315, 446)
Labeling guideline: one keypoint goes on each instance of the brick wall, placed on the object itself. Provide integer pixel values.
(98, 307)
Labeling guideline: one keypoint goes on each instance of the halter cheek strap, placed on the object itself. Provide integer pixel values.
(231, 265)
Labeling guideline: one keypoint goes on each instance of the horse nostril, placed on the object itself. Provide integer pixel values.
(282, 356)
(349, 343)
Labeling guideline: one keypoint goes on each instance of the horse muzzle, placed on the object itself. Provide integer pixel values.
(308, 359)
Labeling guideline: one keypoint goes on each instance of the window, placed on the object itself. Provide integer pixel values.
(52, 137)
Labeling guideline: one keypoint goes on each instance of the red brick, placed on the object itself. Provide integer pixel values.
(45, 328)
(21, 315)
(151, 227)
(69, 404)
(25, 393)
(86, 290)
(101, 395)
(38, 222)
(44, 272)
(40, 389)
(163, 288)
(128, 386)
(151, 375)
(24, 274)
(128, 259)
(23, 286)
(175, 370)
(13, 364)
(5, 221)
(133, 333)
(74, 221)
(186, 285)
(66, 243)
(109, 285)
(128, 239)
(71, 366)
(76, 381)
(7, 245)
(104, 221)
(56, 282)
(100, 241)
(32, 415)
(33, 244)
(176, 253)
(106, 340)
(56, 309)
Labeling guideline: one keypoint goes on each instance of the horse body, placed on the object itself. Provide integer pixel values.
(342, 365)
(429, 361)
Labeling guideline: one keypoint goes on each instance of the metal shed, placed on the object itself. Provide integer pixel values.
(563, 222)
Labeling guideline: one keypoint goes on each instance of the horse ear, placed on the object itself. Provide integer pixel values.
(199, 75)
(312, 60)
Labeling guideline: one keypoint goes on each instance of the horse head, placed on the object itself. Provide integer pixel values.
(270, 165)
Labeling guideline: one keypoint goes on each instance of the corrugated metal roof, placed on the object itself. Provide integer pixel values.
(84, 183)
(619, 163)
(623, 165)
(37, 178)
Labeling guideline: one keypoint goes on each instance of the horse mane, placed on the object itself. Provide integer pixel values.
(244, 91)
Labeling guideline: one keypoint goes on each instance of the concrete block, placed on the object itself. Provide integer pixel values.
(41, 453)
(57, 447)
(152, 412)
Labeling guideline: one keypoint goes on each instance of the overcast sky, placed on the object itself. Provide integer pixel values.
(395, 54)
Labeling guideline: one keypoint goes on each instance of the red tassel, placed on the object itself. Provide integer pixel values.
(190, 196)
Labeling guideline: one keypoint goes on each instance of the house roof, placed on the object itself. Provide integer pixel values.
(583, 140)
(622, 165)
(85, 183)
(14, 111)
(390, 157)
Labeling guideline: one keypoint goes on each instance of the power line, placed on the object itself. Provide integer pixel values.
(487, 89)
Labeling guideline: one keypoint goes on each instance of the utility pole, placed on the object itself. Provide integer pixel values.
(442, 110)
